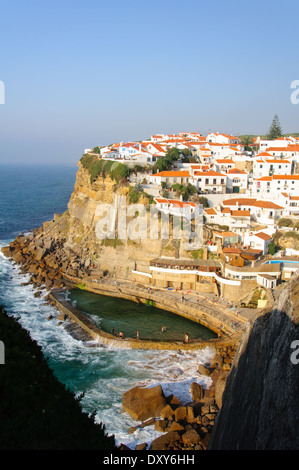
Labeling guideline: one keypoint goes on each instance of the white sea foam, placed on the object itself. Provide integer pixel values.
(102, 373)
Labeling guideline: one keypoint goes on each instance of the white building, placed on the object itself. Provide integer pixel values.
(209, 181)
(237, 181)
(261, 211)
(171, 177)
(272, 185)
(266, 212)
(238, 221)
(177, 208)
(265, 165)
(224, 164)
(290, 204)
(258, 241)
(218, 138)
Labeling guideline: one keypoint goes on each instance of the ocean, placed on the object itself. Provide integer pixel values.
(28, 197)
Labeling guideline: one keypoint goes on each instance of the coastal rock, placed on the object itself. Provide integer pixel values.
(161, 425)
(144, 403)
(167, 412)
(191, 438)
(203, 370)
(196, 391)
(176, 427)
(6, 250)
(180, 413)
(142, 446)
(173, 401)
(169, 440)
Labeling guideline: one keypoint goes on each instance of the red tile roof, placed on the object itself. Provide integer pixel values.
(240, 213)
(263, 236)
(267, 205)
(240, 201)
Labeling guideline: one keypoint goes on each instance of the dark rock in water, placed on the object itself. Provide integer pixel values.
(77, 332)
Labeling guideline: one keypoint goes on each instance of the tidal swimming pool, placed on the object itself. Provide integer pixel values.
(128, 317)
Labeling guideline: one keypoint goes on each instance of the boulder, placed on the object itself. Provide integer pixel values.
(165, 441)
(161, 425)
(176, 427)
(180, 413)
(144, 403)
(39, 253)
(6, 250)
(191, 438)
(173, 401)
(196, 391)
(190, 414)
(167, 412)
(203, 370)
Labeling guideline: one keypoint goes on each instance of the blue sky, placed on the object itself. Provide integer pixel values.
(83, 73)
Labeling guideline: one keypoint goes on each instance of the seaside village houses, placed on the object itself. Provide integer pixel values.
(246, 193)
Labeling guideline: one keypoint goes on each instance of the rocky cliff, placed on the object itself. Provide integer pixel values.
(260, 402)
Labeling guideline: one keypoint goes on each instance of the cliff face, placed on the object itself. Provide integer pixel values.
(261, 399)
(111, 256)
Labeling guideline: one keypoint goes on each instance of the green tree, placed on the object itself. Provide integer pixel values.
(272, 248)
(247, 142)
(275, 130)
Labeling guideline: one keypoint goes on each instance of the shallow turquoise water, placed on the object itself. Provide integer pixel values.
(128, 317)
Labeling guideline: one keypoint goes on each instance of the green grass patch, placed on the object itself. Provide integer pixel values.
(116, 170)
(81, 286)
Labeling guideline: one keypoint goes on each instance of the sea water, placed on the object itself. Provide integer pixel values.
(28, 197)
